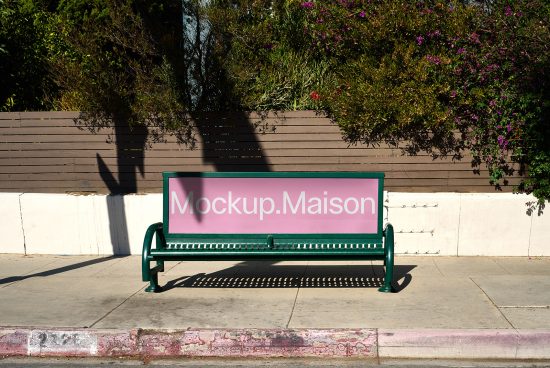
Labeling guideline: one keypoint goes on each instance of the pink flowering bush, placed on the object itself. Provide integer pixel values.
(443, 76)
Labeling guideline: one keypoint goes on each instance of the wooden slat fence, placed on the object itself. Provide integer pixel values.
(47, 152)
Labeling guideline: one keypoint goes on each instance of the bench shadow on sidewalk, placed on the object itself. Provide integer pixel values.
(267, 275)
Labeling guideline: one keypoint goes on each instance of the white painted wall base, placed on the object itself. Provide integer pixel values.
(425, 223)
(472, 224)
(10, 224)
(77, 224)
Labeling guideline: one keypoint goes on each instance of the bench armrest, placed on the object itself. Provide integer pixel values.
(388, 258)
(147, 243)
(388, 239)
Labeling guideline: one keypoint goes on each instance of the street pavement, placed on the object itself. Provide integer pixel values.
(444, 307)
(264, 363)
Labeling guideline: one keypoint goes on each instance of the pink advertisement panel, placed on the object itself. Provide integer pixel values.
(272, 205)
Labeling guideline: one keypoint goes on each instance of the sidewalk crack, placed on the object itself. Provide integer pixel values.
(493, 303)
(115, 308)
(503, 316)
(437, 267)
(501, 266)
(128, 298)
(296, 296)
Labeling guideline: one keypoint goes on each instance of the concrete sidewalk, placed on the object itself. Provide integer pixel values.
(446, 307)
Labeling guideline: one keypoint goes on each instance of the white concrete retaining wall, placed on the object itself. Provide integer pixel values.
(75, 224)
(426, 223)
(472, 224)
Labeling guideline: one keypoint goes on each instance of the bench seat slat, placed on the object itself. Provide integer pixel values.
(267, 253)
(318, 247)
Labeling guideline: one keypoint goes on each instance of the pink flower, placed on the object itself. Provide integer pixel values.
(508, 12)
(307, 4)
(502, 142)
(362, 14)
(419, 40)
(314, 95)
(433, 59)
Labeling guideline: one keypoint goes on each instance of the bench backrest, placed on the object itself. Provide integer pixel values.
(291, 206)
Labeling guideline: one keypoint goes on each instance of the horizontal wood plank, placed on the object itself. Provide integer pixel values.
(48, 151)
(11, 127)
(397, 180)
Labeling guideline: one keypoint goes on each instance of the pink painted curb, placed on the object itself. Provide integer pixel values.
(464, 344)
(189, 343)
(243, 343)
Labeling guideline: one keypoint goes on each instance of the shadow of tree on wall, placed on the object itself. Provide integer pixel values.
(227, 142)
(230, 142)
(130, 147)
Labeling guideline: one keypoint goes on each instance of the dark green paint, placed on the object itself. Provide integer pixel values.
(288, 174)
(266, 246)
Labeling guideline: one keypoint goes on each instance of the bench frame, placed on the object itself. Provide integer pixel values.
(382, 242)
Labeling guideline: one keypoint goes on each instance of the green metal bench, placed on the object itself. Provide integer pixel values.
(241, 216)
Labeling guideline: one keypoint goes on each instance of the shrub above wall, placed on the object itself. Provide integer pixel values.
(412, 73)
(417, 71)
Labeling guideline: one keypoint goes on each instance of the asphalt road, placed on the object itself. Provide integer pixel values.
(280, 363)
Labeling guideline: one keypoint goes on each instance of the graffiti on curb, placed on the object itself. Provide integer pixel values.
(64, 343)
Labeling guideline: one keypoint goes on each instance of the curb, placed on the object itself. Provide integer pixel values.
(273, 343)
(236, 343)
(464, 344)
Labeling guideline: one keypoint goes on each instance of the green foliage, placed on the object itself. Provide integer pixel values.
(113, 61)
(23, 57)
(259, 48)
(444, 76)
(399, 85)
(287, 82)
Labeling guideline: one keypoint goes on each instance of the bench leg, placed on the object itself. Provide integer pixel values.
(153, 281)
(388, 259)
(151, 274)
